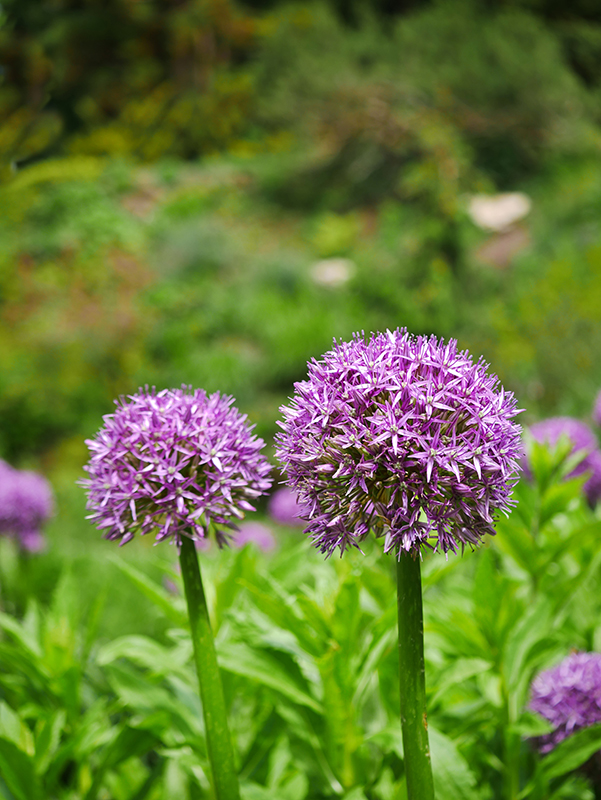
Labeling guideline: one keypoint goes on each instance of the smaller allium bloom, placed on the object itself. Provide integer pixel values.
(597, 410)
(283, 507)
(26, 502)
(583, 441)
(174, 463)
(568, 696)
(404, 436)
(258, 534)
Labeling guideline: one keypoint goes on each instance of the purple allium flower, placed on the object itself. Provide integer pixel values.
(256, 533)
(283, 507)
(174, 463)
(26, 502)
(404, 436)
(597, 410)
(583, 440)
(568, 696)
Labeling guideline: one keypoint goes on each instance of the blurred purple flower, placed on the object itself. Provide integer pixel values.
(26, 502)
(597, 410)
(256, 533)
(174, 463)
(568, 696)
(404, 436)
(283, 507)
(550, 430)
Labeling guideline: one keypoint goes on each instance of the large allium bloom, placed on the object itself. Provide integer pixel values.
(26, 502)
(583, 441)
(568, 696)
(404, 436)
(174, 463)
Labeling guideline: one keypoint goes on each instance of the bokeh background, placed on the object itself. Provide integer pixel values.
(208, 191)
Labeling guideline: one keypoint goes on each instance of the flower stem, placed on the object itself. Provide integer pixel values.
(418, 766)
(219, 745)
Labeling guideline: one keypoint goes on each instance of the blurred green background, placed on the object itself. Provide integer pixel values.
(207, 192)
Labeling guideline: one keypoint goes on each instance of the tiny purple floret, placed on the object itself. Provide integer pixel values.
(174, 463)
(568, 696)
(26, 502)
(583, 441)
(404, 436)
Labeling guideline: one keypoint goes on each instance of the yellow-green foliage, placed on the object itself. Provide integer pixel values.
(550, 335)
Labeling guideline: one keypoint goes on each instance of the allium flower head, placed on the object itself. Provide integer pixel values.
(404, 436)
(283, 507)
(258, 534)
(26, 502)
(174, 463)
(583, 441)
(568, 696)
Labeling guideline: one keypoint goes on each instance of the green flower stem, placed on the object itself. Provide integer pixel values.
(219, 744)
(418, 766)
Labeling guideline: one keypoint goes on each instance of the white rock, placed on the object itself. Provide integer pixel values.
(333, 271)
(498, 212)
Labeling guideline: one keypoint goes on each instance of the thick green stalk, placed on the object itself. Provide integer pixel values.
(418, 766)
(219, 744)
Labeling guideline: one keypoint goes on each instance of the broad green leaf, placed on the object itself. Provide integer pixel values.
(289, 613)
(557, 499)
(529, 725)
(260, 666)
(252, 791)
(355, 794)
(457, 672)
(148, 653)
(153, 592)
(529, 631)
(515, 540)
(14, 729)
(370, 665)
(47, 738)
(389, 739)
(295, 788)
(17, 770)
(146, 699)
(453, 779)
(19, 632)
(572, 752)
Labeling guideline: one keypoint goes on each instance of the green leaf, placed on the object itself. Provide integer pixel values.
(47, 738)
(148, 653)
(530, 725)
(355, 794)
(572, 752)
(453, 779)
(153, 592)
(252, 791)
(25, 638)
(557, 499)
(258, 665)
(18, 772)
(528, 633)
(460, 670)
(14, 729)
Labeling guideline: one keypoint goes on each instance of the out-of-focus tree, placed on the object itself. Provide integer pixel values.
(121, 76)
